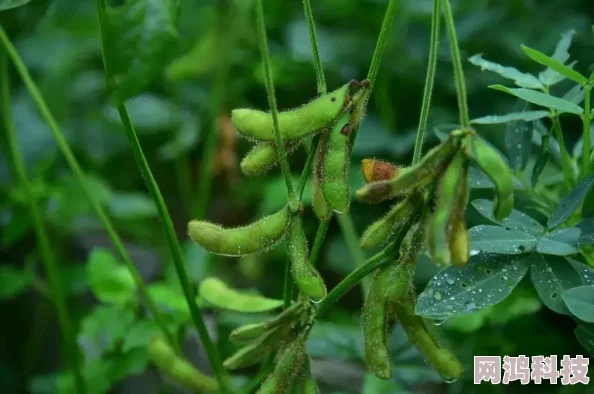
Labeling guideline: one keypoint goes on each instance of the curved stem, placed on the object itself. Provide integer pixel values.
(319, 241)
(44, 244)
(176, 253)
(429, 79)
(269, 81)
(82, 180)
(320, 79)
(458, 69)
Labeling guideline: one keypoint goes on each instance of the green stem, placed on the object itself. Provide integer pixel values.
(565, 160)
(82, 180)
(319, 241)
(381, 44)
(586, 147)
(176, 252)
(287, 285)
(429, 79)
(269, 81)
(458, 69)
(44, 244)
(352, 241)
(320, 79)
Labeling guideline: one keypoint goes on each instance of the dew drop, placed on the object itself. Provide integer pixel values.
(439, 322)
(437, 295)
(448, 379)
(316, 300)
(450, 281)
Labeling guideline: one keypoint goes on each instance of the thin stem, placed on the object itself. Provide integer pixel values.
(458, 69)
(352, 241)
(82, 180)
(287, 285)
(565, 160)
(320, 79)
(586, 147)
(429, 79)
(269, 81)
(44, 245)
(352, 280)
(176, 252)
(381, 43)
(319, 241)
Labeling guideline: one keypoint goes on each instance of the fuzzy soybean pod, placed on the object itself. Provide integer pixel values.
(263, 157)
(295, 123)
(178, 369)
(495, 168)
(254, 352)
(450, 206)
(414, 178)
(335, 183)
(306, 277)
(260, 235)
(319, 204)
(253, 331)
(459, 243)
(308, 384)
(380, 232)
(287, 368)
(374, 170)
(441, 359)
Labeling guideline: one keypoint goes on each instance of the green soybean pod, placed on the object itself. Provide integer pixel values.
(215, 292)
(253, 331)
(319, 204)
(295, 123)
(451, 194)
(288, 366)
(178, 369)
(495, 168)
(263, 157)
(254, 352)
(335, 183)
(306, 277)
(459, 243)
(441, 359)
(308, 384)
(260, 235)
(411, 179)
(379, 232)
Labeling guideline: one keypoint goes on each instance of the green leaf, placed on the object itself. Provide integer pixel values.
(587, 235)
(539, 166)
(139, 334)
(585, 272)
(13, 282)
(580, 302)
(542, 99)
(132, 206)
(184, 140)
(524, 80)
(460, 290)
(570, 202)
(551, 276)
(374, 385)
(575, 95)
(511, 117)
(549, 76)
(103, 329)
(585, 338)
(141, 36)
(555, 65)
(218, 294)
(170, 300)
(197, 62)
(8, 4)
(149, 114)
(560, 242)
(111, 282)
(496, 239)
(516, 220)
(518, 143)
(342, 341)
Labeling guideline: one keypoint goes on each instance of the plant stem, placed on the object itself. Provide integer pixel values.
(352, 241)
(287, 285)
(176, 252)
(319, 241)
(351, 280)
(429, 79)
(320, 79)
(381, 44)
(565, 160)
(82, 180)
(44, 244)
(586, 147)
(269, 82)
(458, 69)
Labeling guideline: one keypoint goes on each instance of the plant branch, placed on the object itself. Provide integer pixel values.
(458, 69)
(320, 79)
(381, 44)
(82, 180)
(429, 79)
(269, 81)
(565, 160)
(176, 252)
(44, 244)
(587, 124)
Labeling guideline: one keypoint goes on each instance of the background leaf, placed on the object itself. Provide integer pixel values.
(518, 144)
(560, 242)
(13, 282)
(524, 80)
(8, 4)
(555, 65)
(549, 76)
(486, 280)
(551, 276)
(526, 116)
(570, 202)
(580, 302)
(110, 281)
(542, 99)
